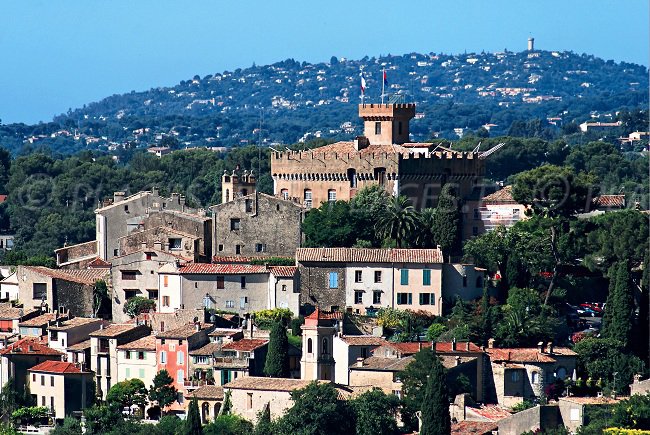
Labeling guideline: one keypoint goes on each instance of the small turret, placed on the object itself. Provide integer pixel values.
(234, 185)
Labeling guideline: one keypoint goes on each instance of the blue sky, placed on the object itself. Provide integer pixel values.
(61, 54)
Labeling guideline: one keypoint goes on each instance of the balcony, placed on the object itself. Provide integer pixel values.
(102, 349)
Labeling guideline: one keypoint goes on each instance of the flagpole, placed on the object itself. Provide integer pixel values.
(383, 84)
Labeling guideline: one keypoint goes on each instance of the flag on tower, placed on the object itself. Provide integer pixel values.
(385, 79)
(363, 84)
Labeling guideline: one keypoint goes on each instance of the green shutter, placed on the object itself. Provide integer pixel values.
(404, 277)
(128, 373)
(426, 277)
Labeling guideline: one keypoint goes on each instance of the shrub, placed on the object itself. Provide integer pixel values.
(138, 304)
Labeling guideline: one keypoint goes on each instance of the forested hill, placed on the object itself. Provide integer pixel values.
(290, 99)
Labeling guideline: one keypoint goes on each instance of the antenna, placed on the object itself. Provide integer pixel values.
(478, 147)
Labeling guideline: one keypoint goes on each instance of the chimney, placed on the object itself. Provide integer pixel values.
(453, 344)
(541, 346)
(340, 328)
(175, 198)
(467, 346)
(154, 191)
(250, 328)
(197, 326)
(359, 362)
(118, 197)
(550, 348)
(457, 361)
(101, 326)
(491, 343)
(157, 245)
(419, 345)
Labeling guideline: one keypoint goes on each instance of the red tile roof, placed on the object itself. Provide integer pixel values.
(319, 314)
(56, 367)
(80, 276)
(220, 269)
(114, 330)
(98, 263)
(490, 412)
(3, 198)
(348, 148)
(186, 331)
(473, 428)
(8, 312)
(30, 346)
(77, 347)
(363, 340)
(208, 392)
(615, 201)
(530, 354)
(412, 347)
(368, 255)
(42, 320)
(245, 345)
(283, 271)
(501, 196)
(144, 343)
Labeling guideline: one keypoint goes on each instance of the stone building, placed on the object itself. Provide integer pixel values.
(257, 225)
(383, 156)
(123, 214)
(77, 256)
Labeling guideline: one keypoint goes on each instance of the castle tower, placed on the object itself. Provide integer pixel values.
(234, 185)
(318, 332)
(386, 124)
(531, 44)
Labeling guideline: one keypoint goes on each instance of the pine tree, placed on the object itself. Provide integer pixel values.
(446, 228)
(277, 358)
(162, 390)
(192, 425)
(620, 307)
(435, 406)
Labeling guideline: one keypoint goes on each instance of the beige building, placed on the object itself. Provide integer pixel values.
(576, 411)
(350, 348)
(72, 336)
(62, 387)
(209, 398)
(8, 285)
(318, 333)
(491, 211)
(103, 352)
(137, 360)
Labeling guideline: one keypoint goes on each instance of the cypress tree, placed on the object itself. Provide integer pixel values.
(264, 426)
(620, 307)
(277, 358)
(192, 425)
(486, 315)
(435, 406)
(446, 221)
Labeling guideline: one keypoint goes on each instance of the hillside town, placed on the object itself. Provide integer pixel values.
(233, 308)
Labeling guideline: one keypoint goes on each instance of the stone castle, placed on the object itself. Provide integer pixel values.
(382, 156)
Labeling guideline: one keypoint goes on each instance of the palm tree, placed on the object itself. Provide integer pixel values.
(424, 237)
(398, 221)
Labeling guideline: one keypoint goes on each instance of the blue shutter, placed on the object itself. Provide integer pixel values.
(334, 279)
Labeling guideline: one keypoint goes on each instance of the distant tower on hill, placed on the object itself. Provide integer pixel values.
(531, 44)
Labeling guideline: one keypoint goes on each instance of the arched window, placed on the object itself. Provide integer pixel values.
(352, 176)
(479, 282)
(309, 346)
(325, 346)
(560, 373)
(284, 193)
(535, 377)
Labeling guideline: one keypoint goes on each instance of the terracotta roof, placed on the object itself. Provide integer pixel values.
(185, 331)
(267, 384)
(450, 361)
(144, 343)
(369, 255)
(461, 346)
(82, 345)
(30, 346)
(594, 400)
(8, 312)
(501, 196)
(473, 428)
(363, 340)
(98, 263)
(208, 392)
(220, 269)
(208, 349)
(283, 271)
(224, 332)
(617, 201)
(113, 330)
(530, 354)
(383, 364)
(42, 320)
(56, 367)
(74, 322)
(3, 198)
(244, 345)
(65, 248)
(348, 148)
(319, 314)
(80, 276)
(489, 412)
(408, 348)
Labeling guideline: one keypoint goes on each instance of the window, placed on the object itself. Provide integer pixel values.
(426, 277)
(165, 280)
(309, 346)
(153, 294)
(308, 199)
(284, 287)
(162, 326)
(115, 253)
(333, 280)
(242, 281)
(352, 176)
(175, 244)
(357, 276)
(376, 297)
(515, 212)
(163, 357)
(535, 377)
(230, 304)
(514, 376)
(141, 373)
(284, 193)
(34, 376)
(377, 128)
(127, 354)
(235, 224)
(43, 401)
(42, 379)
(54, 336)
(249, 400)
(464, 280)
(238, 249)
(399, 127)
(165, 301)
(220, 282)
(220, 248)
(325, 346)
(242, 302)
(180, 376)
(358, 296)
(128, 294)
(39, 290)
(127, 373)
(260, 247)
(404, 298)
(331, 195)
(126, 209)
(404, 277)
(180, 357)
(148, 256)
(477, 215)
(140, 355)
(560, 373)
(249, 206)
(377, 275)
(51, 381)
(52, 403)
(128, 275)
(427, 298)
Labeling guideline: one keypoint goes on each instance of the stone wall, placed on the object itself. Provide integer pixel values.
(314, 285)
(540, 417)
(158, 238)
(78, 298)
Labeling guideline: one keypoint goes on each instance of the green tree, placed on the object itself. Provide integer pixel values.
(100, 297)
(277, 357)
(330, 225)
(226, 408)
(70, 426)
(162, 390)
(317, 410)
(435, 407)
(169, 424)
(102, 418)
(137, 305)
(264, 425)
(228, 425)
(487, 316)
(632, 413)
(128, 393)
(398, 221)
(434, 331)
(192, 425)
(447, 221)
(618, 321)
(375, 413)
(414, 378)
